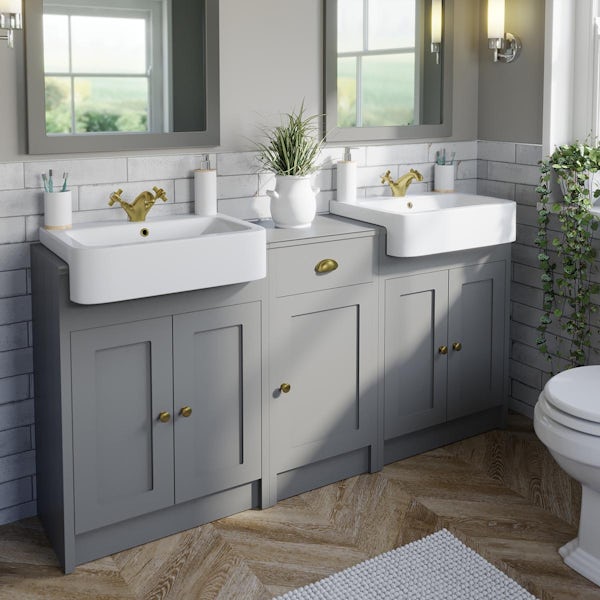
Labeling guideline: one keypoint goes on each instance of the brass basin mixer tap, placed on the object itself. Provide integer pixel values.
(401, 184)
(141, 206)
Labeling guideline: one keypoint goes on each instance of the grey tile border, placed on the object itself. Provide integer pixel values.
(81, 171)
(15, 513)
(496, 151)
(528, 154)
(12, 176)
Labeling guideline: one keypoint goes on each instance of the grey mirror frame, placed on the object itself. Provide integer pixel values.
(336, 134)
(41, 143)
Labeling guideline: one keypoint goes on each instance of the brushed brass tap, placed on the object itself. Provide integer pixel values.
(401, 184)
(141, 206)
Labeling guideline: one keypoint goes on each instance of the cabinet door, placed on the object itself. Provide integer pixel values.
(415, 370)
(476, 322)
(217, 374)
(122, 454)
(324, 345)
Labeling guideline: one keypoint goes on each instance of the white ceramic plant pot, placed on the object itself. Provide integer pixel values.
(293, 201)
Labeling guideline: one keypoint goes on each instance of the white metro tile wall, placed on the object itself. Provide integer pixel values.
(241, 192)
(511, 171)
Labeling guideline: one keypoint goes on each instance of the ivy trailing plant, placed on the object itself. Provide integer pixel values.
(567, 256)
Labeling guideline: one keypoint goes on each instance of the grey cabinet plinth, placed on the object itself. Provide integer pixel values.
(122, 452)
(217, 394)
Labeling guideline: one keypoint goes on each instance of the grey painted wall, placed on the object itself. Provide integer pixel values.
(510, 95)
(270, 58)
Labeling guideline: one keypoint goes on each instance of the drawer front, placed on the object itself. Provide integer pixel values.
(321, 266)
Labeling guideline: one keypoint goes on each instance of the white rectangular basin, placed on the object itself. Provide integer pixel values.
(121, 260)
(423, 224)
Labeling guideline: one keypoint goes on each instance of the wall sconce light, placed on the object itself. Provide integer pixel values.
(506, 46)
(436, 29)
(10, 19)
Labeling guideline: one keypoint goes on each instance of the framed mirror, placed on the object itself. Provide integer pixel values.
(388, 69)
(107, 75)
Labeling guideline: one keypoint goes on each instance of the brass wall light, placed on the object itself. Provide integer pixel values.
(10, 20)
(436, 29)
(506, 46)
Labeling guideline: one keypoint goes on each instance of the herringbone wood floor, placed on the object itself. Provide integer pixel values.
(500, 493)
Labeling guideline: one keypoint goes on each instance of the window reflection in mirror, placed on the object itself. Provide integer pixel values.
(97, 70)
(119, 68)
(382, 81)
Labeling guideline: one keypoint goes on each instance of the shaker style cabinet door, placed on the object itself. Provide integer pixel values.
(323, 391)
(476, 337)
(217, 393)
(415, 352)
(122, 450)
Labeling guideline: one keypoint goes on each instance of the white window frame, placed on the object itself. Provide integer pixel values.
(154, 13)
(571, 73)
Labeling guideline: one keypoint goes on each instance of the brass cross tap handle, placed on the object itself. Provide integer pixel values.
(285, 388)
(186, 411)
(443, 349)
(457, 346)
(164, 416)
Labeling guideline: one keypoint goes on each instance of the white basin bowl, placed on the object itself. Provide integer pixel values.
(120, 260)
(423, 224)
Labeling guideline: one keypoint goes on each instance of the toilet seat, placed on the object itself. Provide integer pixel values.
(563, 418)
(576, 393)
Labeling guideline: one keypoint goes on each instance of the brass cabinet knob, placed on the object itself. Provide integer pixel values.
(457, 346)
(443, 349)
(326, 265)
(285, 388)
(164, 416)
(186, 411)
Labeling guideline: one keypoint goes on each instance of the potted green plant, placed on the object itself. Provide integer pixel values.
(291, 151)
(567, 255)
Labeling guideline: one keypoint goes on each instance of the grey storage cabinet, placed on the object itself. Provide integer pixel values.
(217, 365)
(158, 414)
(148, 412)
(322, 363)
(444, 351)
(122, 454)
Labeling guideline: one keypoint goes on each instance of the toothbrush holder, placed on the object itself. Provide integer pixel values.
(443, 178)
(58, 210)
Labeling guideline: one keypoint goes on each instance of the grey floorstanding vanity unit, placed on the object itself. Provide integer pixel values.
(158, 414)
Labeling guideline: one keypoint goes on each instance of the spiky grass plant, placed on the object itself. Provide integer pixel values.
(293, 147)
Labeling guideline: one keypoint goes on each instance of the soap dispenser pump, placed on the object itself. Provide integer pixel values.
(205, 189)
(346, 178)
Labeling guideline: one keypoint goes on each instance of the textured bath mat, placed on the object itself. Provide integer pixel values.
(437, 567)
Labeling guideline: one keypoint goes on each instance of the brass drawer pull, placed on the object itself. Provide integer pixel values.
(443, 349)
(186, 411)
(326, 265)
(164, 416)
(457, 346)
(285, 388)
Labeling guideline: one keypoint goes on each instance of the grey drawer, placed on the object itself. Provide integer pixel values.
(294, 269)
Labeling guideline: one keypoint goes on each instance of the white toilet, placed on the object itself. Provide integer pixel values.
(567, 421)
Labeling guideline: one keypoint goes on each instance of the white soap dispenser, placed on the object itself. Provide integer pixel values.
(205, 189)
(346, 178)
